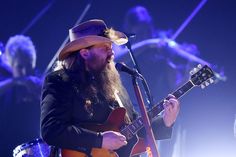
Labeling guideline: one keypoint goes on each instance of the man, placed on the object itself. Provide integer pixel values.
(19, 96)
(85, 91)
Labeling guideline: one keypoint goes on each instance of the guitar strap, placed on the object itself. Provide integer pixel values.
(127, 119)
(118, 98)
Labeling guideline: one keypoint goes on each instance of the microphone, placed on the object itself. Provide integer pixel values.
(125, 68)
(130, 35)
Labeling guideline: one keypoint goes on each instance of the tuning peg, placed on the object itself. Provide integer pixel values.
(195, 70)
(202, 86)
(191, 72)
(207, 83)
(199, 66)
(211, 80)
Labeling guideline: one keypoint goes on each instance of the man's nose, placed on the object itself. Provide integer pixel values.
(110, 52)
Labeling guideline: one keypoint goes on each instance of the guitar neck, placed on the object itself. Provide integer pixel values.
(137, 124)
(178, 93)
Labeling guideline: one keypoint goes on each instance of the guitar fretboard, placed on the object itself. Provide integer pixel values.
(178, 93)
(130, 130)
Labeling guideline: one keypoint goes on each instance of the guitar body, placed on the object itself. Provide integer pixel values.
(94, 153)
(114, 122)
(99, 152)
(139, 148)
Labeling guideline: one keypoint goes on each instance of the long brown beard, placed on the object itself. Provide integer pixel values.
(108, 81)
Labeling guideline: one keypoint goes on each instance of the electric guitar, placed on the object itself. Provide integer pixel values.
(202, 76)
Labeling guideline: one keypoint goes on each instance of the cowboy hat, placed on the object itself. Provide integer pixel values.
(90, 33)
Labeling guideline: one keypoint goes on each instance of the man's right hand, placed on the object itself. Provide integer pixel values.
(113, 140)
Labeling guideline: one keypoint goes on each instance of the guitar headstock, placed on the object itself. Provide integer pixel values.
(202, 76)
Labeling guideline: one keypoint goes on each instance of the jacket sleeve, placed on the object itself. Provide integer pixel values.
(56, 118)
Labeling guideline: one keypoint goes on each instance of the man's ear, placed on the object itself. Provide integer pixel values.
(84, 53)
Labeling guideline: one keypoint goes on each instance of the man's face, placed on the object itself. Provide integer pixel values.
(99, 56)
(21, 67)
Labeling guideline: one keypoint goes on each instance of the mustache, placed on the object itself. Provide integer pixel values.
(110, 58)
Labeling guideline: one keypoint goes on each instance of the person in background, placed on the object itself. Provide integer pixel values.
(19, 96)
(86, 90)
(171, 69)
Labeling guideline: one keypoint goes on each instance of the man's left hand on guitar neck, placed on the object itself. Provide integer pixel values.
(171, 110)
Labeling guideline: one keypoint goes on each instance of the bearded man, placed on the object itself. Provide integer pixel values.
(83, 100)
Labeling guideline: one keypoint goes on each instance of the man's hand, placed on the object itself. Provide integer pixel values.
(171, 110)
(113, 140)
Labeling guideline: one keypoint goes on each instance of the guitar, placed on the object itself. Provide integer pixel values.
(201, 77)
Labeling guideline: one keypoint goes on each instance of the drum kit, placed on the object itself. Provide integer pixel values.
(35, 148)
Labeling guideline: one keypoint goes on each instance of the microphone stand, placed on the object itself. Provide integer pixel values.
(145, 86)
(150, 136)
(49, 66)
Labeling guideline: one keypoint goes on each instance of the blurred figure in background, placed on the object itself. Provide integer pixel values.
(169, 66)
(161, 65)
(139, 21)
(19, 96)
(5, 71)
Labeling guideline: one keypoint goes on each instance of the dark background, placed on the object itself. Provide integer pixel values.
(209, 118)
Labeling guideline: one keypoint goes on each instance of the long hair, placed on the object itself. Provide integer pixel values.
(105, 83)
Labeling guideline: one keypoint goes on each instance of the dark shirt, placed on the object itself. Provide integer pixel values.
(64, 110)
(5, 71)
(19, 115)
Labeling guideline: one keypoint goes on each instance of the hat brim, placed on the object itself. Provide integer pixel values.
(116, 37)
(81, 43)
